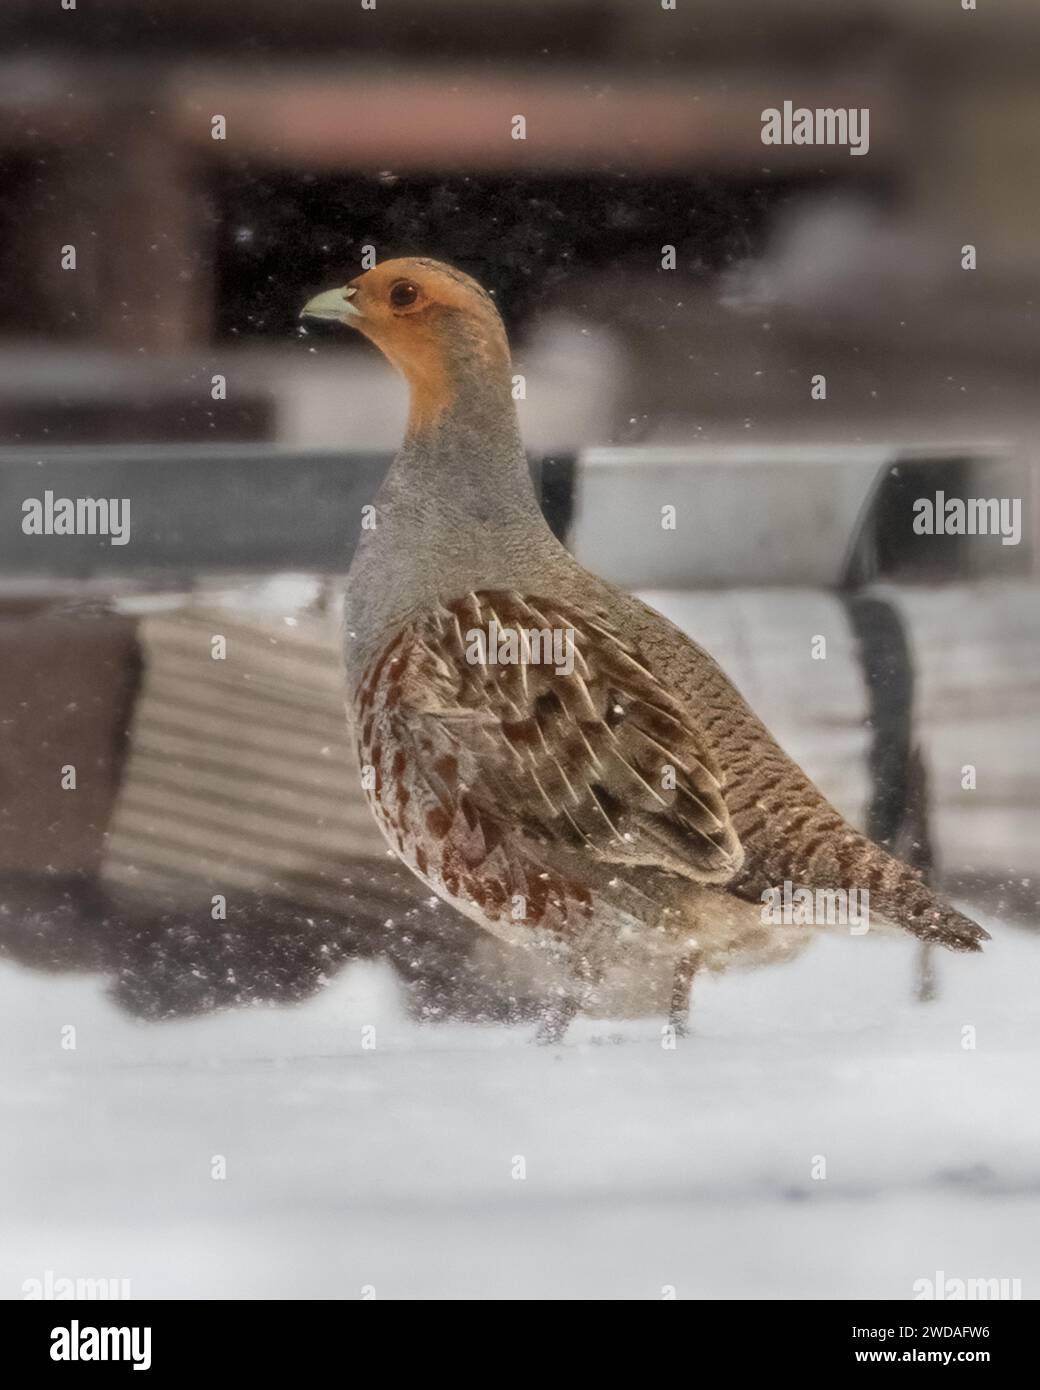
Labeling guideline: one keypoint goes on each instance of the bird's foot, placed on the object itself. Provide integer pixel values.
(679, 1024)
(555, 1022)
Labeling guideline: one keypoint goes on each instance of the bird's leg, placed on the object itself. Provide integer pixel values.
(558, 1015)
(682, 980)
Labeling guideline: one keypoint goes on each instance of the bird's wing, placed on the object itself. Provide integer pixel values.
(574, 742)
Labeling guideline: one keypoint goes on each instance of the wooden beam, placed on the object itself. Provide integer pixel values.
(457, 121)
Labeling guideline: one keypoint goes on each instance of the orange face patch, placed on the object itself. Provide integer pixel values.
(409, 308)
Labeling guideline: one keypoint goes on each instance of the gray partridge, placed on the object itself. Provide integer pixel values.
(550, 755)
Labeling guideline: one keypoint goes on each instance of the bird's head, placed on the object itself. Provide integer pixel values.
(435, 324)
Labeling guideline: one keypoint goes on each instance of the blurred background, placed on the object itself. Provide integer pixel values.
(347, 127)
(167, 367)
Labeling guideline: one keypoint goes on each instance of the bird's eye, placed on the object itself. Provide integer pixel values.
(403, 294)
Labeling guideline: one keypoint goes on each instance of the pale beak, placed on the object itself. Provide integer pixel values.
(333, 304)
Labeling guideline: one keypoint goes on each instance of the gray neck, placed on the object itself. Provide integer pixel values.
(456, 512)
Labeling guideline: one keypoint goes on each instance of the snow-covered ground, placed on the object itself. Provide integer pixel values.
(396, 1167)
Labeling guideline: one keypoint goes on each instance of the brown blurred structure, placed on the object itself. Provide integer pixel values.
(67, 692)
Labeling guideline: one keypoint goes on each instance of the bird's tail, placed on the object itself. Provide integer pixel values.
(898, 895)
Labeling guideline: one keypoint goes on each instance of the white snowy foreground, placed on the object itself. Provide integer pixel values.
(393, 1168)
